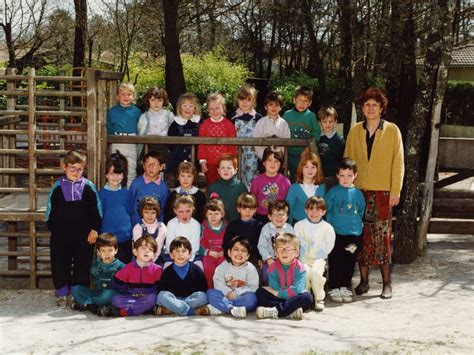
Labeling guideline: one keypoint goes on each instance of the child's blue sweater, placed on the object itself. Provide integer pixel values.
(122, 119)
(116, 206)
(139, 189)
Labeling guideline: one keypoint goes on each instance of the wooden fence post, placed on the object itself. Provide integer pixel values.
(91, 125)
(32, 171)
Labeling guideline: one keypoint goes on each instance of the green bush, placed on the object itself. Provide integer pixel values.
(458, 108)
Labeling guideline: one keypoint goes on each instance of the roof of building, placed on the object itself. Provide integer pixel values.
(462, 56)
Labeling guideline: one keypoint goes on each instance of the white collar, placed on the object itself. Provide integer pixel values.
(182, 121)
(191, 191)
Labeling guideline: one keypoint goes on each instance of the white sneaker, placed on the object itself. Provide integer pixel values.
(319, 306)
(335, 295)
(213, 311)
(266, 312)
(298, 314)
(346, 294)
(238, 312)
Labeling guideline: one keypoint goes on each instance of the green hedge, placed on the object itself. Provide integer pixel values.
(458, 108)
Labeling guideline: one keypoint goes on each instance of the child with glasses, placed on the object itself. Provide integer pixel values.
(73, 215)
(286, 295)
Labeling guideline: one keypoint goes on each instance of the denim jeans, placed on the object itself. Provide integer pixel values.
(222, 303)
(181, 305)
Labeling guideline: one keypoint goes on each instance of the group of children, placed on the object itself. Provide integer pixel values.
(259, 244)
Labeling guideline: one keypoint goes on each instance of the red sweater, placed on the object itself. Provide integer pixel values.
(209, 128)
(211, 239)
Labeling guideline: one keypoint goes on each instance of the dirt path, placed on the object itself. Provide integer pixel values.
(432, 311)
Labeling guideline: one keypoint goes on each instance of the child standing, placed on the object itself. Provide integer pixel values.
(228, 187)
(186, 124)
(212, 236)
(245, 120)
(302, 123)
(309, 182)
(271, 185)
(215, 126)
(245, 226)
(278, 215)
(184, 225)
(183, 285)
(331, 144)
(286, 295)
(317, 240)
(116, 205)
(149, 211)
(187, 175)
(122, 120)
(103, 270)
(156, 120)
(272, 125)
(236, 281)
(149, 184)
(73, 215)
(346, 205)
(137, 282)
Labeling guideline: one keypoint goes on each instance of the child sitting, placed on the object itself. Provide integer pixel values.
(213, 229)
(187, 175)
(149, 184)
(149, 211)
(278, 215)
(236, 281)
(286, 295)
(346, 205)
(271, 185)
(317, 240)
(246, 226)
(103, 270)
(184, 225)
(137, 282)
(73, 215)
(183, 285)
(228, 187)
(116, 206)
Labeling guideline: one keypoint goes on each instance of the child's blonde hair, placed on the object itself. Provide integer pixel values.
(315, 202)
(305, 157)
(215, 97)
(245, 92)
(189, 96)
(215, 204)
(75, 157)
(287, 238)
(247, 200)
(126, 86)
(183, 200)
(327, 111)
(188, 167)
(156, 93)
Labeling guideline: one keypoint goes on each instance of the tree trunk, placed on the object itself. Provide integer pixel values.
(406, 242)
(80, 30)
(174, 76)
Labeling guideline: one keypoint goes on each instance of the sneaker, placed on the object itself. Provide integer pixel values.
(267, 312)
(61, 301)
(319, 306)
(213, 311)
(298, 314)
(346, 294)
(238, 312)
(78, 307)
(335, 295)
(106, 311)
(386, 292)
(202, 311)
(162, 311)
(362, 288)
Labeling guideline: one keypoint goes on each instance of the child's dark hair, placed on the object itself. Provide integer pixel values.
(157, 93)
(188, 167)
(347, 164)
(315, 201)
(106, 240)
(149, 203)
(152, 154)
(215, 204)
(146, 240)
(304, 91)
(181, 242)
(327, 111)
(238, 239)
(277, 154)
(120, 165)
(278, 205)
(273, 96)
(75, 157)
(247, 200)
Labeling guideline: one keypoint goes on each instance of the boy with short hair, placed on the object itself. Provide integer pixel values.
(317, 240)
(346, 206)
(122, 120)
(183, 285)
(149, 184)
(302, 123)
(331, 144)
(228, 187)
(73, 215)
(137, 282)
(286, 295)
(103, 270)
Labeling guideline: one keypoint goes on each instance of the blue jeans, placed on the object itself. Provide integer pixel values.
(181, 305)
(222, 303)
(85, 295)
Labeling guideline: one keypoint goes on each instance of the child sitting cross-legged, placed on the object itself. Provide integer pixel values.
(235, 281)
(286, 295)
(103, 270)
(183, 285)
(137, 282)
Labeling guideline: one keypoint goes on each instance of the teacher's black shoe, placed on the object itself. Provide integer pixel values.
(362, 288)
